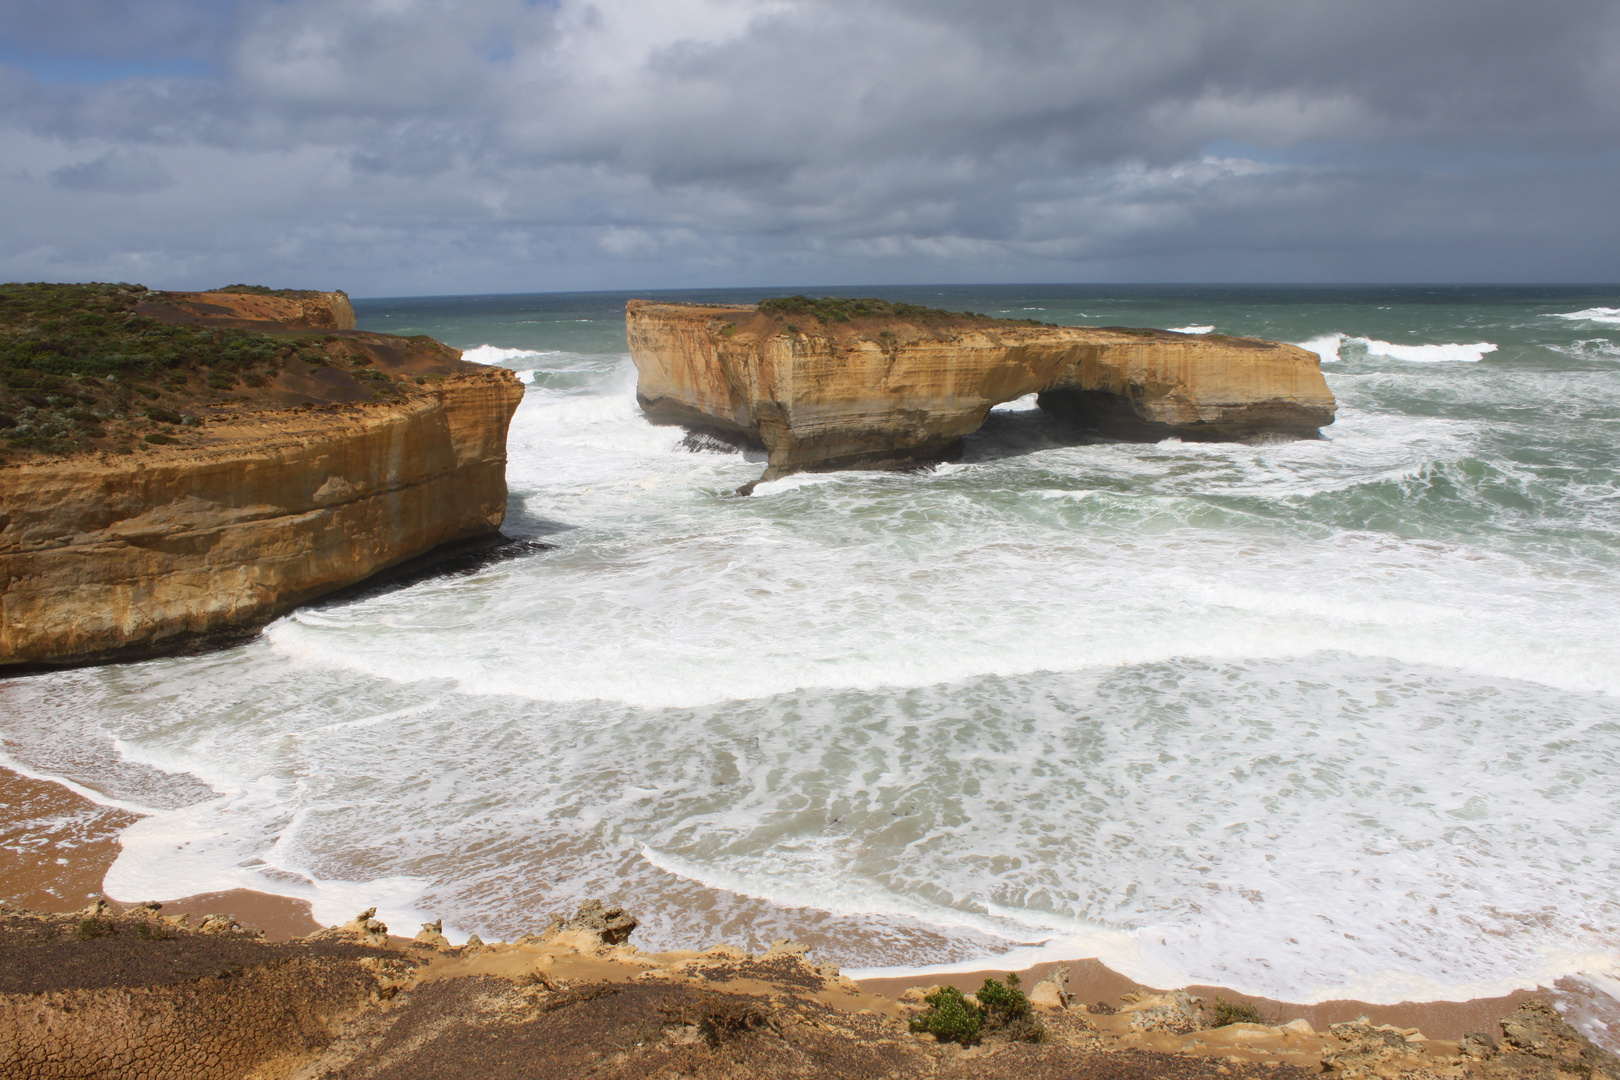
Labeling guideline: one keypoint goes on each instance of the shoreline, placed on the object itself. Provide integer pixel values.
(56, 846)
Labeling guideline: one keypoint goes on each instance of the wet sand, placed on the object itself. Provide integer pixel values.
(56, 846)
(1090, 982)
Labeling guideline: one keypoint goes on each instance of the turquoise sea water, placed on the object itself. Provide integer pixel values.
(1313, 719)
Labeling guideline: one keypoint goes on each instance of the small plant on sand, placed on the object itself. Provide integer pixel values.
(950, 1017)
(1002, 1009)
(90, 929)
(1236, 1012)
(1006, 1010)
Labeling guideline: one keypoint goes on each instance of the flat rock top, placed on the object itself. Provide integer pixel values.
(118, 369)
(845, 322)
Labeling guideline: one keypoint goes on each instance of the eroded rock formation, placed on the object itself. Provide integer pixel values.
(361, 452)
(891, 390)
(138, 995)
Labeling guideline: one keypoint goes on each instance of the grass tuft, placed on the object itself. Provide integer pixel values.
(1236, 1012)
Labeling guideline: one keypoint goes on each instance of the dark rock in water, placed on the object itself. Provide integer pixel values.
(716, 441)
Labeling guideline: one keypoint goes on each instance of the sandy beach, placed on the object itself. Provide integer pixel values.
(56, 846)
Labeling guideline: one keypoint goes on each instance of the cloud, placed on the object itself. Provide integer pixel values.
(590, 143)
(117, 172)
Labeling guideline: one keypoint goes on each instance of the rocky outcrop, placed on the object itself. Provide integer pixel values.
(140, 997)
(895, 390)
(137, 994)
(381, 450)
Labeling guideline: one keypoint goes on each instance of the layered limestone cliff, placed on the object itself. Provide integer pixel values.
(371, 452)
(890, 389)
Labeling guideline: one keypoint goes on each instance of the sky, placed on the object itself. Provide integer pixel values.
(418, 147)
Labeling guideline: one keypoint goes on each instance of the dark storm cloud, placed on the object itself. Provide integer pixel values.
(399, 144)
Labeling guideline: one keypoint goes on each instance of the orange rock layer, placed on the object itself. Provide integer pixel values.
(885, 392)
(263, 508)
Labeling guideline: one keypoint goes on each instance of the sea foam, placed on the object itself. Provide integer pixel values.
(1607, 315)
(1333, 718)
(494, 354)
(1332, 348)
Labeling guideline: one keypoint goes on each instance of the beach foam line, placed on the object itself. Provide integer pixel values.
(1191, 329)
(146, 867)
(1124, 956)
(186, 852)
(89, 793)
(1129, 951)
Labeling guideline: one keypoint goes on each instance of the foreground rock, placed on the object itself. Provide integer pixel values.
(846, 384)
(205, 491)
(136, 995)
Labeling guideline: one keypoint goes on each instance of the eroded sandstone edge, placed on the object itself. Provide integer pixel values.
(137, 994)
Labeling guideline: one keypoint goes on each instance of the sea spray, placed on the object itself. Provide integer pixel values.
(1314, 719)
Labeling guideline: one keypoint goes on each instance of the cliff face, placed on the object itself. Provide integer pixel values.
(316, 480)
(891, 390)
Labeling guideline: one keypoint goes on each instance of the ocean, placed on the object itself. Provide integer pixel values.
(1311, 719)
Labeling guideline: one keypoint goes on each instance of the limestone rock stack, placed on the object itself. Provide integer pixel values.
(896, 389)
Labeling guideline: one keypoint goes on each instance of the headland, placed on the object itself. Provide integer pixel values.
(181, 468)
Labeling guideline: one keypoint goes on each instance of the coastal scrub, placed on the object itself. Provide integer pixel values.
(82, 369)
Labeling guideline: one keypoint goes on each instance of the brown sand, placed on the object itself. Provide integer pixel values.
(1091, 982)
(56, 846)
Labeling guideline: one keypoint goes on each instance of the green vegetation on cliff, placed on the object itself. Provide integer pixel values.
(999, 1008)
(265, 290)
(82, 369)
(839, 309)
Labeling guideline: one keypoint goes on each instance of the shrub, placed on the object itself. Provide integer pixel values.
(1236, 1012)
(265, 290)
(839, 309)
(90, 929)
(1006, 1010)
(1002, 1009)
(949, 1017)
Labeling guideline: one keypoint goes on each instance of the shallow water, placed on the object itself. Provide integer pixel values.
(1310, 719)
